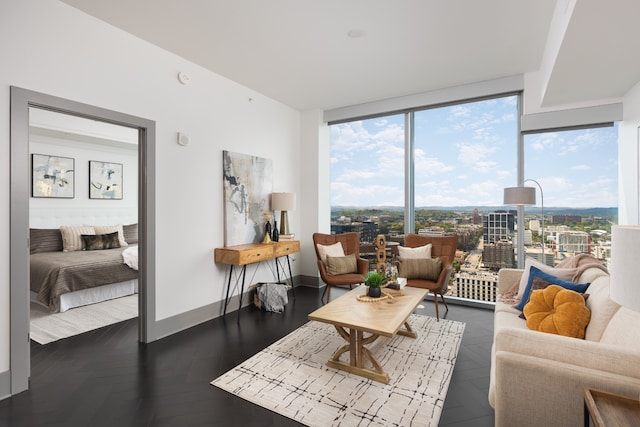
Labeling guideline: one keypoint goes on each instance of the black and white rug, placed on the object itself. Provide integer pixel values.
(291, 377)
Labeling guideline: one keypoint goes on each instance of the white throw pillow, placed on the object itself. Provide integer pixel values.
(107, 229)
(332, 250)
(71, 240)
(414, 253)
(560, 273)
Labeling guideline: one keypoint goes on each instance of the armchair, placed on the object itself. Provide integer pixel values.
(445, 249)
(351, 245)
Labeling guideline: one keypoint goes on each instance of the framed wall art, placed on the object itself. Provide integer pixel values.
(52, 176)
(105, 180)
(248, 181)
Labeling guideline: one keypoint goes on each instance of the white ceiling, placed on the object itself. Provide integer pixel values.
(299, 52)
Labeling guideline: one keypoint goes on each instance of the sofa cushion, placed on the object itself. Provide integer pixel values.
(543, 280)
(618, 332)
(337, 265)
(561, 273)
(559, 311)
(601, 306)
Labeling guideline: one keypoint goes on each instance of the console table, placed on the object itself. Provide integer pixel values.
(243, 255)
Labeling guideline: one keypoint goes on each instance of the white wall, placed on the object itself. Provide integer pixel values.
(628, 158)
(52, 48)
(53, 212)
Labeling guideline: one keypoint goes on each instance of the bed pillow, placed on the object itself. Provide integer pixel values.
(414, 253)
(333, 250)
(536, 273)
(45, 240)
(420, 268)
(107, 229)
(341, 265)
(71, 240)
(561, 273)
(130, 233)
(96, 242)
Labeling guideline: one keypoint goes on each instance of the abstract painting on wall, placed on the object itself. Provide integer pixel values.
(105, 180)
(52, 176)
(248, 181)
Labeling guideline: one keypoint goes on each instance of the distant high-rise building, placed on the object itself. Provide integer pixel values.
(497, 226)
(573, 242)
(476, 286)
(498, 255)
(477, 218)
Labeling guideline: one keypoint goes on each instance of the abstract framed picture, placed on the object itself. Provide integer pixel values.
(105, 180)
(248, 181)
(52, 176)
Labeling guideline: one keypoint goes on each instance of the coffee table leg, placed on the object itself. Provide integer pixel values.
(357, 353)
(407, 332)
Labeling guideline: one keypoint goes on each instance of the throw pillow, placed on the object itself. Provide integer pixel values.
(333, 250)
(562, 273)
(556, 310)
(71, 240)
(94, 242)
(130, 233)
(420, 268)
(106, 229)
(341, 265)
(413, 253)
(536, 273)
(44, 240)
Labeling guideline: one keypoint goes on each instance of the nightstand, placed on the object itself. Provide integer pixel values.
(610, 410)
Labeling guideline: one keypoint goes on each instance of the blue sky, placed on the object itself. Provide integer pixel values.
(466, 155)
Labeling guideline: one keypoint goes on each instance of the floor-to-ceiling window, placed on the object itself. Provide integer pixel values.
(443, 169)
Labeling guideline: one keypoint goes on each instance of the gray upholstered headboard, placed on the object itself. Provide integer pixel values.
(105, 215)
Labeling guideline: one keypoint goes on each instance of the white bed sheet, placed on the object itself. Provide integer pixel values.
(93, 295)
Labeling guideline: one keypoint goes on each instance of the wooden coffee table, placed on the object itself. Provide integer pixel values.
(353, 318)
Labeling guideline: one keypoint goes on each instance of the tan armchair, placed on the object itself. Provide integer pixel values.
(351, 245)
(443, 247)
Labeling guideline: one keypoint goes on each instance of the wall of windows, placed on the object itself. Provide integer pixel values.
(442, 171)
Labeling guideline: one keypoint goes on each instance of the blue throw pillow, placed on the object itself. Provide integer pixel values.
(536, 272)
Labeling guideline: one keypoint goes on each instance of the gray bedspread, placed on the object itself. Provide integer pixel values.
(56, 273)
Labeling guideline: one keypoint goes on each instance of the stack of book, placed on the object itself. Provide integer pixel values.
(287, 237)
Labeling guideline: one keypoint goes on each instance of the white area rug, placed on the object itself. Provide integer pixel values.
(47, 327)
(291, 377)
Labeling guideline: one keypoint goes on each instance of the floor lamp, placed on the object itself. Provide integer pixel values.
(520, 196)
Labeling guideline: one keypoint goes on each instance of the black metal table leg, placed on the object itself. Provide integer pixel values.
(226, 300)
(293, 288)
(244, 272)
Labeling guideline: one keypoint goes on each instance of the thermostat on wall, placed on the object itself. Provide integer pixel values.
(183, 139)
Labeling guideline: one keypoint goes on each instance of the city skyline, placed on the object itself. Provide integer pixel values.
(465, 155)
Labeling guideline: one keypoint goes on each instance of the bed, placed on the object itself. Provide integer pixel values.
(74, 266)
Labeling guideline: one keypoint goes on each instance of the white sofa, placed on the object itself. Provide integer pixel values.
(537, 379)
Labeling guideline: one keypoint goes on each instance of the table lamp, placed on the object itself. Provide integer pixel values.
(283, 202)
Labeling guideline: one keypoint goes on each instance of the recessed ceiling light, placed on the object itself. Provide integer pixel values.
(354, 34)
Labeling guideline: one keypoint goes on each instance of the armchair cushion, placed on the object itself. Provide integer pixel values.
(414, 253)
(420, 268)
(559, 311)
(334, 250)
(536, 274)
(337, 265)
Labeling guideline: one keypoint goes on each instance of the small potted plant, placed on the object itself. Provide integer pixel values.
(374, 280)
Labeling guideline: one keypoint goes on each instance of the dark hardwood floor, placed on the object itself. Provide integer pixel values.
(105, 378)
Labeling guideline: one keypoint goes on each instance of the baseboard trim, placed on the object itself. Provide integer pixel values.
(180, 322)
(5, 385)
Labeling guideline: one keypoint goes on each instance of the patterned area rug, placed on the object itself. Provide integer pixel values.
(291, 377)
(47, 327)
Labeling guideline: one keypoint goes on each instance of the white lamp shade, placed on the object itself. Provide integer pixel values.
(624, 286)
(283, 201)
(519, 196)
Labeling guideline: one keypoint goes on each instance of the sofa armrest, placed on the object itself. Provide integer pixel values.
(580, 353)
(507, 277)
(533, 391)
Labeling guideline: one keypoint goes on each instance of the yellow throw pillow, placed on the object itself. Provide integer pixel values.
(559, 311)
